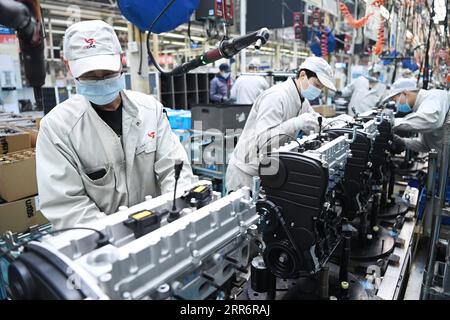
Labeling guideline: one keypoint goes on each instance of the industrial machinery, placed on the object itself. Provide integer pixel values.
(364, 189)
(141, 253)
(302, 222)
(291, 236)
(25, 17)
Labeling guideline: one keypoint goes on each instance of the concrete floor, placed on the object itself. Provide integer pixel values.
(416, 275)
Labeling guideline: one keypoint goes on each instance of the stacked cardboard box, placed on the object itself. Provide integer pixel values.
(19, 203)
(13, 139)
(18, 216)
(18, 188)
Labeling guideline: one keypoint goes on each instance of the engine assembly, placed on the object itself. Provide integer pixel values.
(189, 258)
(313, 225)
(301, 219)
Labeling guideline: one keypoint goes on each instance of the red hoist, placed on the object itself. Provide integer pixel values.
(224, 9)
(298, 25)
(324, 40)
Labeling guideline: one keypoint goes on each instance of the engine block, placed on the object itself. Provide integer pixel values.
(189, 258)
(301, 221)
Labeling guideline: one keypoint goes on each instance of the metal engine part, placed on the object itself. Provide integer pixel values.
(190, 258)
(301, 221)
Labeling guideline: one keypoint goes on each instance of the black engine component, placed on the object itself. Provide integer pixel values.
(357, 170)
(379, 154)
(37, 268)
(199, 196)
(299, 229)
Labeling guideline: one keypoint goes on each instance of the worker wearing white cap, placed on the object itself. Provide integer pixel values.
(365, 91)
(279, 111)
(427, 112)
(248, 87)
(104, 147)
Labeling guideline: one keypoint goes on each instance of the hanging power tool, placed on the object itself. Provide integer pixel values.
(24, 16)
(168, 14)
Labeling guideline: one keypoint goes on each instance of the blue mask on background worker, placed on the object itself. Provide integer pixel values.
(101, 92)
(402, 107)
(311, 92)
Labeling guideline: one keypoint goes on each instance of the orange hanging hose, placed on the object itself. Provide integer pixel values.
(349, 18)
(378, 3)
(380, 39)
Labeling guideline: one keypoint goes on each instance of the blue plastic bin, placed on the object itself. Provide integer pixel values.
(179, 119)
(423, 200)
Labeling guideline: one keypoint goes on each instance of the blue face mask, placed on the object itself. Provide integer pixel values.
(101, 92)
(403, 107)
(311, 93)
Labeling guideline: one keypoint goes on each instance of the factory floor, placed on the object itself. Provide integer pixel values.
(414, 285)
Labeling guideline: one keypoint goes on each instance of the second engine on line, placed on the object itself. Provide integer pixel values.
(301, 217)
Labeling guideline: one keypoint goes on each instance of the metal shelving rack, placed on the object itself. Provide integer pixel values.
(179, 92)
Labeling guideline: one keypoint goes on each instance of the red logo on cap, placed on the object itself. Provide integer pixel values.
(90, 42)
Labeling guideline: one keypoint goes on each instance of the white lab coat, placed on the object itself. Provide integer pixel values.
(273, 113)
(363, 99)
(247, 88)
(430, 112)
(74, 142)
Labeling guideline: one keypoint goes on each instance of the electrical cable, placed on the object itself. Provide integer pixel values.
(189, 32)
(102, 240)
(149, 52)
(101, 234)
(336, 120)
(140, 53)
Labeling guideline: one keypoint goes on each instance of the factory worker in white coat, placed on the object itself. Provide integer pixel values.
(104, 147)
(248, 87)
(426, 113)
(365, 92)
(281, 110)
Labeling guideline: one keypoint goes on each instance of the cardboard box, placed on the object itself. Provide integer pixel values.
(33, 135)
(38, 122)
(18, 216)
(325, 111)
(13, 139)
(18, 175)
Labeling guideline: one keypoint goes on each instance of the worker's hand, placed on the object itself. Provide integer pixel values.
(398, 145)
(307, 122)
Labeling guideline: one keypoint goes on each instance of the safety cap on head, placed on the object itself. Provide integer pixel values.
(375, 68)
(91, 45)
(401, 85)
(323, 70)
(254, 63)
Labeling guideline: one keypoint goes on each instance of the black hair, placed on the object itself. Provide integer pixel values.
(309, 73)
(224, 67)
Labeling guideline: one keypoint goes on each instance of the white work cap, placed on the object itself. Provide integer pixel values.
(401, 85)
(254, 63)
(323, 70)
(376, 68)
(91, 45)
